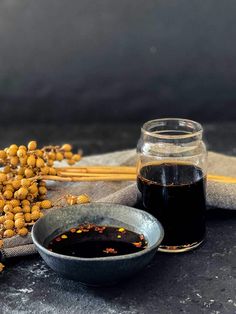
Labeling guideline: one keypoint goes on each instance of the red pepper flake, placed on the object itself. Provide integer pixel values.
(137, 244)
(110, 250)
(73, 230)
(90, 226)
(58, 239)
(100, 229)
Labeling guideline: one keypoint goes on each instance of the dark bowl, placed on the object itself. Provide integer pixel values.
(101, 270)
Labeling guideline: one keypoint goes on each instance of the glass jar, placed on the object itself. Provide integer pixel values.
(171, 176)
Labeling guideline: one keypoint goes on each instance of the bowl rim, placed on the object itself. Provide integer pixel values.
(96, 259)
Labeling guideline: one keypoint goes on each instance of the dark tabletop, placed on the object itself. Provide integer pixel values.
(201, 281)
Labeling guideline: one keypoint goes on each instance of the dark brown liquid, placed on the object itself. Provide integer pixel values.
(97, 241)
(175, 195)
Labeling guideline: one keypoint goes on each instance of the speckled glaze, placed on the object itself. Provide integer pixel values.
(102, 270)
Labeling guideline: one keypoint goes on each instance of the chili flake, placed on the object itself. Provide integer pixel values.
(110, 250)
(137, 244)
(72, 230)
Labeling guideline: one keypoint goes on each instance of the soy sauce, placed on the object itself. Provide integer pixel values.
(97, 241)
(175, 195)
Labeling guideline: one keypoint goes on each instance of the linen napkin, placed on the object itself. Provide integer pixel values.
(219, 195)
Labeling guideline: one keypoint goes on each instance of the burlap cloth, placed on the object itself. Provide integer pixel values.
(219, 195)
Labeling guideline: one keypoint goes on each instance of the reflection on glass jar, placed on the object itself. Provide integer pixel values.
(171, 176)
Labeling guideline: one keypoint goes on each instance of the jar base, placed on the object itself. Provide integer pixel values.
(179, 248)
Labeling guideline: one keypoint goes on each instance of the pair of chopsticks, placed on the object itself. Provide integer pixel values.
(111, 173)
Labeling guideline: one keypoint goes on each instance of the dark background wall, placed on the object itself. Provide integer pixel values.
(126, 60)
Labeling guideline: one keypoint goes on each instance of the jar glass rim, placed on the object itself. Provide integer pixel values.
(195, 130)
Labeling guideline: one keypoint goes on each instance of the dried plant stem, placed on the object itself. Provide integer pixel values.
(124, 177)
(83, 177)
(108, 175)
(222, 179)
(99, 169)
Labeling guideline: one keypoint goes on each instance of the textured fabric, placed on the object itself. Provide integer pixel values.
(218, 194)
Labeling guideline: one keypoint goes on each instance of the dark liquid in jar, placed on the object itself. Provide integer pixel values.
(97, 241)
(175, 195)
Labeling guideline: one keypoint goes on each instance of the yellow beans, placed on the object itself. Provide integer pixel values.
(29, 173)
(42, 190)
(19, 223)
(2, 204)
(21, 152)
(18, 215)
(32, 145)
(35, 208)
(12, 150)
(22, 193)
(35, 215)
(3, 177)
(17, 209)
(26, 208)
(33, 188)
(68, 155)
(83, 199)
(25, 183)
(3, 154)
(16, 184)
(59, 156)
(25, 202)
(14, 161)
(71, 162)
(76, 157)
(8, 233)
(23, 160)
(31, 161)
(39, 163)
(8, 194)
(8, 224)
(7, 208)
(45, 170)
(27, 217)
(46, 204)
(23, 231)
(14, 202)
(66, 147)
(9, 216)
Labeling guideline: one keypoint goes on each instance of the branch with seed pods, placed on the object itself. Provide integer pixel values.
(22, 186)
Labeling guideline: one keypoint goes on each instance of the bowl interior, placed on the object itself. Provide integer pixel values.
(60, 220)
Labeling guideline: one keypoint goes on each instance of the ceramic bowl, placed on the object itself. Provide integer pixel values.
(101, 270)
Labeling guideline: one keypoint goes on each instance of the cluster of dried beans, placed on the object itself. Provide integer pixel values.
(22, 193)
